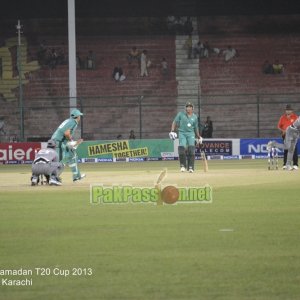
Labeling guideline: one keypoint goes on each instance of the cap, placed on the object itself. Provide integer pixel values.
(51, 144)
(288, 107)
(76, 113)
(189, 104)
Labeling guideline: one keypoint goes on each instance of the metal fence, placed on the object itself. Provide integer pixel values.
(247, 115)
(233, 116)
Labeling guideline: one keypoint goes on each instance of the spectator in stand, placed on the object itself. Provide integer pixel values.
(41, 53)
(61, 57)
(132, 135)
(79, 64)
(198, 50)
(207, 130)
(170, 22)
(176, 24)
(189, 46)
(118, 74)
(90, 61)
(277, 67)
(13, 139)
(134, 54)
(216, 51)
(188, 26)
(2, 125)
(267, 67)
(145, 63)
(206, 49)
(53, 59)
(287, 119)
(1, 68)
(229, 53)
(164, 67)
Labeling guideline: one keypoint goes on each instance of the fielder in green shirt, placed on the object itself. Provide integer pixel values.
(187, 124)
(65, 146)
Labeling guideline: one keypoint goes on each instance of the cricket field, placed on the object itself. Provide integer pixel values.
(244, 244)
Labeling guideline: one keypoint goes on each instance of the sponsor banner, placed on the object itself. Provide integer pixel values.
(255, 146)
(137, 159)
(169, 158)
(216, 147)
(263, 156)
(259, 146)
(18, 152)
(16, 162)
(122, 149)
(247, 156)
(231, 157)
(167, 154)
(153, 158)
(122, 159)
(211, 157)
(104, 160)
(89, 160)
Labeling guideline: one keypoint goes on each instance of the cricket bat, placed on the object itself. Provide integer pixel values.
(205, 165)
(160, 178)
(203, 158)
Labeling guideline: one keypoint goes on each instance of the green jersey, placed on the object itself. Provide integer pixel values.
(187, 124)
(59, 134)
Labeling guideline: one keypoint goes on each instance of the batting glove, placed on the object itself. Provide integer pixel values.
(173, 135)
(199, 140)
(72, 145)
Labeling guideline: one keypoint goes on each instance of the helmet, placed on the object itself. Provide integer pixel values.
(189, 104)
(51, 144)
(76, 113)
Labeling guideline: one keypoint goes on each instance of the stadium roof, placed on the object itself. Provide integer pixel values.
(126, 8)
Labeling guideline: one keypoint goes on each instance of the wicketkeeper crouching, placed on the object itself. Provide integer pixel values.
(46, 163)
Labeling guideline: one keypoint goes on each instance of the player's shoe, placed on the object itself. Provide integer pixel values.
(182, 169)
(47, 179)
(295, 167)
(270, 145)
(79, 178)
(289, 168)
(284, 168)
(34, 180)
(191, 170)
(54, 181)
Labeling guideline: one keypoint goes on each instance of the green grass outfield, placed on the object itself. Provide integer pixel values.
(243, 245)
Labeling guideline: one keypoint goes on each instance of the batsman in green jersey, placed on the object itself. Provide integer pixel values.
(187, 124)
(65, 146)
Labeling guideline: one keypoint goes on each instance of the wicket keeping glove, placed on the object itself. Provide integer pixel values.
(173, 135)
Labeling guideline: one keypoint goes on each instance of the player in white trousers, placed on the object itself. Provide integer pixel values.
(290, 142)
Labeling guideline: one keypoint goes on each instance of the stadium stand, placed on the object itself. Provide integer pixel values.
(48, 87)
(243, 74)
(236, 83)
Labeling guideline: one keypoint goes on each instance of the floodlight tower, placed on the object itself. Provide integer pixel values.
(19, 68)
